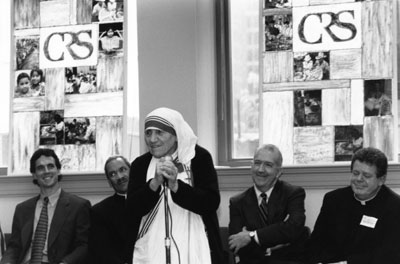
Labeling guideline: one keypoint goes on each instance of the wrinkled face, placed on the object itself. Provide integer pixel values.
(46, 172)
(36, 78)
(160, 143)
(364, 182)
(24, 85)
(118, 175)
(265, 170)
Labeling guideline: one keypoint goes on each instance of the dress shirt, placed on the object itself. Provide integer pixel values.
(51, 207)
(258, 193)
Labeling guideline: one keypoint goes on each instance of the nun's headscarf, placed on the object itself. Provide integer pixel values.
(172, 122)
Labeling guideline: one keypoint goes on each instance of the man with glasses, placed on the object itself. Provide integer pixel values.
(267, 220)
(107, 240)
(359, 223)
(52, 227)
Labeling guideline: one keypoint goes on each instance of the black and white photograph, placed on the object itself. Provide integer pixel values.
(107, 10)
(80, 130)
(27, 53)
(29, 83)
(311, 66)
(277, 4)
(348, 139)
(80, 80)
(307, 108)
(377, 97)
(52, 127)
(278, 32)
(111, 38)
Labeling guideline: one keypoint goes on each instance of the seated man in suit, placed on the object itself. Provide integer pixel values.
(107, 240)
(52, 227)
(267, 220)
(359, 223)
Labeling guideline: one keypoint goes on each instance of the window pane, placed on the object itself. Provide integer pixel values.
(244, 41)
(5, 69)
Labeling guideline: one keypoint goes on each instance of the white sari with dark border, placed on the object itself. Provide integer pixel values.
(189, 243)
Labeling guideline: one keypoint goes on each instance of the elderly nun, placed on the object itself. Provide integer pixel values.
(177, 165)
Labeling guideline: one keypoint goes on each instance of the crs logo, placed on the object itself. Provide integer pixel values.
(69, 46)
(334, 21)
(73, 44)
(327, 27)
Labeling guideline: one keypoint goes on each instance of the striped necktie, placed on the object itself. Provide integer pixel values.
(263, 208)
(39, 238)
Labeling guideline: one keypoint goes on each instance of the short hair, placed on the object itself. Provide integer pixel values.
(274, 149)
(47, 153)
(21, 76)
(372, 157)
(43, 152)
(58, 118)
(115, 158)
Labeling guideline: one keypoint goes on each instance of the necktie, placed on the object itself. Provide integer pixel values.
(263, 208)
(39, 238)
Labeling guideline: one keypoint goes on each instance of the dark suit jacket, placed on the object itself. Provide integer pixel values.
(338, 234)
(285, 201)
(107, 240)
(203, 198)
(68, 235)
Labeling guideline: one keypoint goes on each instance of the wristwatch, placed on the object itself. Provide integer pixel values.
(252, 235)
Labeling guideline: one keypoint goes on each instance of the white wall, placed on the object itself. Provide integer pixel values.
(177, 62)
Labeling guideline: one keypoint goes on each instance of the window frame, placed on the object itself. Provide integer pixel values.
(224, 93)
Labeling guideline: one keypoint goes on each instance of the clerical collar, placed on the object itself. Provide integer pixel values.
(120, 194)
(364, 202)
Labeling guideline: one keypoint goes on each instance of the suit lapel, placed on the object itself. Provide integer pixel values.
(27, 229)
(273, 201)
(60, 214)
